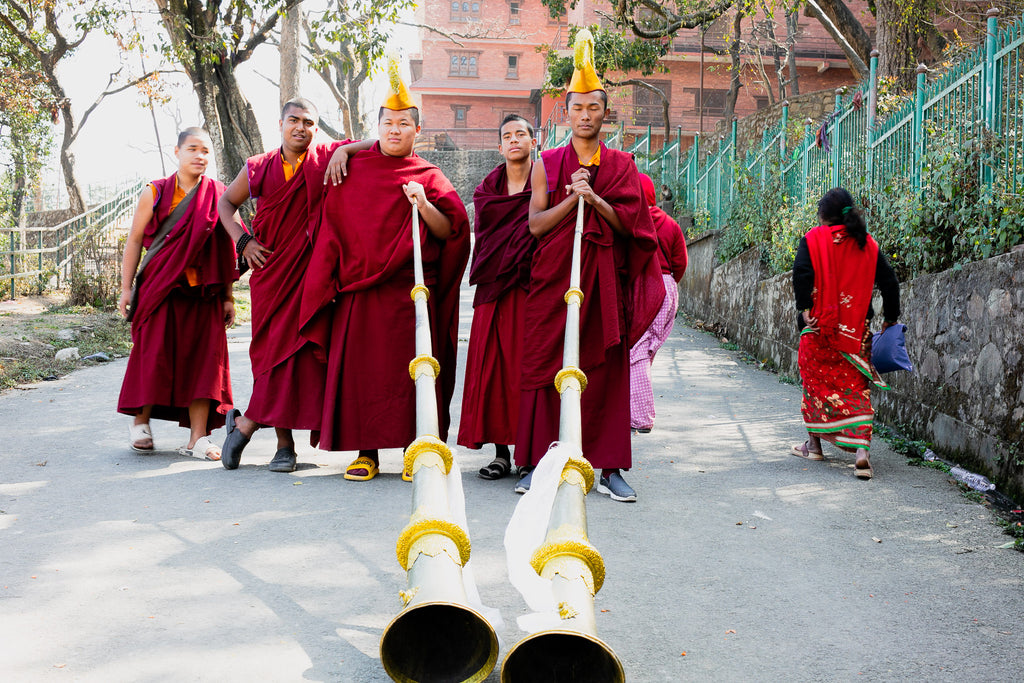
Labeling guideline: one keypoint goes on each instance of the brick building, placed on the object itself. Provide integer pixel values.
(467, 87)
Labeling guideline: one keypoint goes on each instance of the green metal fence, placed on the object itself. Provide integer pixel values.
(861, 151)
(855, 146)
(39, 253)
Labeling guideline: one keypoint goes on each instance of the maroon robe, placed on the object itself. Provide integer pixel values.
(356, 304)
(501, 274)
(288, 378)
(623, 290)
(180, 349)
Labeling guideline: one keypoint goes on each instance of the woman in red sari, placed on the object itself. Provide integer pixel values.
(836, 269)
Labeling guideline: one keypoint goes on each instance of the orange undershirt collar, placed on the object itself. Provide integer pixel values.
(289, 170)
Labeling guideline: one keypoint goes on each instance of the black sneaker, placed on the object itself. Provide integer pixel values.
(615, 486)
(284, 460)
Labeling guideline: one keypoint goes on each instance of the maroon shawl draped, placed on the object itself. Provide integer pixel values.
(286, 216)
(197, 240)
(844, 277)
(504, 245)
(671, 244)
(365, 239)
(620, 277)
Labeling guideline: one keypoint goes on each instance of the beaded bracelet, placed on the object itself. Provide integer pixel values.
(242, 241)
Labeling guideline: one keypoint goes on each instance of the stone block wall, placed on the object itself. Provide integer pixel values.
(465, 169)
(965, 335)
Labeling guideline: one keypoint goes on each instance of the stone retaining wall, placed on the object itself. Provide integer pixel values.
(965, 335)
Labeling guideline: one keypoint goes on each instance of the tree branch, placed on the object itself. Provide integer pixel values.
(856, 63)
(260, 35)
(675, 22)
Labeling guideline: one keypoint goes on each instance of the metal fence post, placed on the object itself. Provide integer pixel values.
(806, 161)
(872, 115)
(694, 163)
(835, 155)
(991, 109)
(10, 244)
(785, 128)
(919, 126)
(733, 158)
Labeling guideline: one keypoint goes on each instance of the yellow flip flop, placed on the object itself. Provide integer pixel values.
(362, 463)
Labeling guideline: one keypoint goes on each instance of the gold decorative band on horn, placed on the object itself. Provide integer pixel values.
(424, 365)
(411, 535)
(550, 556)
(574, 293)
(580, 472)
(571, 372)
(426, 443)
(420, 288)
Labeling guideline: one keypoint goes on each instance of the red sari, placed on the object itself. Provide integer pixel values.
(356, 304)
(623, 290)
(179, 344)
(835, 364)
(288, 378)
(501, 275)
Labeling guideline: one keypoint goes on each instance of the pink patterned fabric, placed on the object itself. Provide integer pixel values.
(641, 396)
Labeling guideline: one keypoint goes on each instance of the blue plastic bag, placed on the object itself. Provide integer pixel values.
(889, 350)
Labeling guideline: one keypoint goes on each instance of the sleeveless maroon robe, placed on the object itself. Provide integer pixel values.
(623, 290)
(288, 378)
(501, 274)
(180, 348)
(356, 304)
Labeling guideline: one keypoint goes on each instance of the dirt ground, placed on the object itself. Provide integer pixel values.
(34, 328)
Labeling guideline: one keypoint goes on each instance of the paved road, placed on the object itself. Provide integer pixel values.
(757, 565)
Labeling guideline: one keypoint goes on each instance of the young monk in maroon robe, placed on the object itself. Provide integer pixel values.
(501, 274)
(356, 304)
(620, 279)
(178, 367)
(287, 185)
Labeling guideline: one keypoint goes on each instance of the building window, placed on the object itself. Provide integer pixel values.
(648, 104)
(465, 10)
(513, 12)
(461, 112)
(463, 64)
(513, 66)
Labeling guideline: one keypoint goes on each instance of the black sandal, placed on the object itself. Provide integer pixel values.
(496, 469)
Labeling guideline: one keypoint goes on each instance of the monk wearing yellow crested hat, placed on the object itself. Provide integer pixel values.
(620, 279)
(355, 304)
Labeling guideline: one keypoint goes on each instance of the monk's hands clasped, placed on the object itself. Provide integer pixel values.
(416, 194)
(255, 254)
(581, 186)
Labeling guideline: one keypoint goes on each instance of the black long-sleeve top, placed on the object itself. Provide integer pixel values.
(803, 285)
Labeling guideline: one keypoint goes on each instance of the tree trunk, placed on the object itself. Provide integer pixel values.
(897, 41)
(792, 27)
(290, 72)
(734, 70)
(849, 26)
(843, 34)
(228, 116)
(76, 202)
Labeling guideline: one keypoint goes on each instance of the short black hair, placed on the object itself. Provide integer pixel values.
(413, 111)
(300, 103)
(604, 98)
(193, 132)
(516, 117)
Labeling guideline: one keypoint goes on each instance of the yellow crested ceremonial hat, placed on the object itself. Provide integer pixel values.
(400, 98)
(584, 77)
